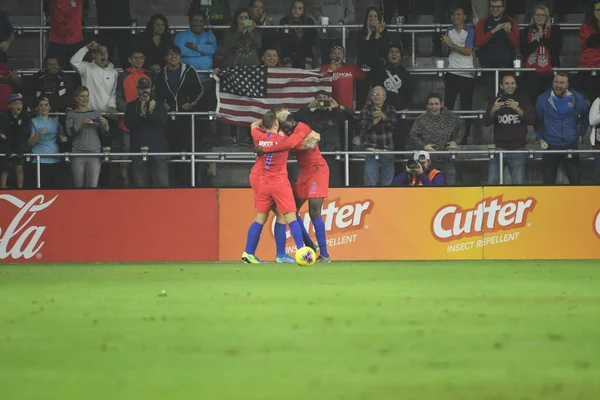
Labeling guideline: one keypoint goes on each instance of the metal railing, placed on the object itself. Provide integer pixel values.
(412, 29)
(249, 157)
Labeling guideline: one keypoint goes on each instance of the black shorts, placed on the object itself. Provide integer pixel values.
(7, 164)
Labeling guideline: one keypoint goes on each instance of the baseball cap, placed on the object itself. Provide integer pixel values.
(15, 97)
(420, 154)
(144, 83)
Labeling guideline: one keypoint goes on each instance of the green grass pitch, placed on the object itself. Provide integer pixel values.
(370, 330)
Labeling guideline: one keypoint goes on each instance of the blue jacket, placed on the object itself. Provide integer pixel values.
(201, 59)
(560, 130)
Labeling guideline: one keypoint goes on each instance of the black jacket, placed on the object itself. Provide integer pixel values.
(154, 54)
(328, 123)
(57, 88)
(149, 130)
(16, 131)
(297, 44)
(190, 90)
(397, 83)
(371, 52)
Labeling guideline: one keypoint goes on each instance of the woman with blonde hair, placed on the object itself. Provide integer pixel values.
(541, 43)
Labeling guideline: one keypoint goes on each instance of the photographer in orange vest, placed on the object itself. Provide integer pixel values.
(418, 172)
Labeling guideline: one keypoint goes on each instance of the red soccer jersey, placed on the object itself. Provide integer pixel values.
(306, 158)
(273, 166)
(66, 21)
(259, 164)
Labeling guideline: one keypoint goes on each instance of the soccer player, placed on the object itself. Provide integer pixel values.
(274, 189)
(281, 255)
(312, 184)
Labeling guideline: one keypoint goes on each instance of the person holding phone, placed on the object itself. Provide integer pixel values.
(509, 113)
(242, 41)
(343, 76)
(86, 126)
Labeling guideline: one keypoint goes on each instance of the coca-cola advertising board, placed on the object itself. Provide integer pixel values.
(436, 223)
(109, 225)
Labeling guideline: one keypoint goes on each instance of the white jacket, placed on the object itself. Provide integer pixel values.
(594, 119)
(102, 82)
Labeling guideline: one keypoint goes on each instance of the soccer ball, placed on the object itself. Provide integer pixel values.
(305, 256)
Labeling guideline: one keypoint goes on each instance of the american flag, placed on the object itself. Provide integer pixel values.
(244, 94)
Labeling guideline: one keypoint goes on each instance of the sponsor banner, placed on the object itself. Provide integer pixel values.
(545, 223)
(108, 225)
(367, 224)
(435, 224)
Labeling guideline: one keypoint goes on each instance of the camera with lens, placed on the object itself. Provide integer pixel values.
(412, 164)
(323, 103)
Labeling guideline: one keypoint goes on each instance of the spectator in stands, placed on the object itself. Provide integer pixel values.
(443, 11)
(343, 76)
(509, 113)
(589, 36)
(297, 43)
(326, 116)
(9, 83)
(562, 121)
(397, 83)
(146, 119)
(460, 42)
(180, 88)
(197, 45)
(269, 37)
(496, 37)
(154, 42)
(270, 57)
(242, 42)
(339, 12)
(52, 84)
(86, 126)
(115, 13)
(14, 132)
(7, 35)
(377, 124)
(371, 42)
(419, 172)
(541, 43)
(552, 5)
(99, 76)
(66, 28)
(217, 13)
(439, 129)
(46, 134)
(595, 136)
(127, 91)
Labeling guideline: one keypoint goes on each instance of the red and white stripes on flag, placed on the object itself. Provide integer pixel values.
(242, 98)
